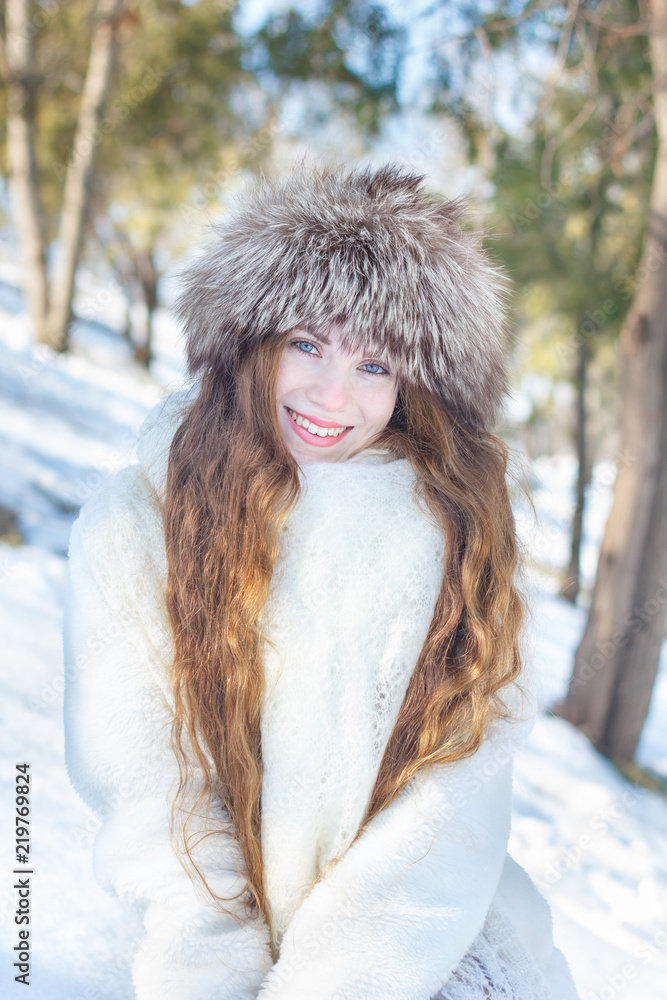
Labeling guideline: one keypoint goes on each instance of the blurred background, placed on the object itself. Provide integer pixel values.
(125, 127)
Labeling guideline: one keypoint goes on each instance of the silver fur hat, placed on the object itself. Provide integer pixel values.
(369, 249)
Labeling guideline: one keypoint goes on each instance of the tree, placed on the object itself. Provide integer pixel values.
(617, 660)
(605, 55)
(569, 241)
(209, 99)
(174, 114)
(49, 304)
(17, 61)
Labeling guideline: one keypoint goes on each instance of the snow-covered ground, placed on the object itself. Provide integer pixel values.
(595, 844)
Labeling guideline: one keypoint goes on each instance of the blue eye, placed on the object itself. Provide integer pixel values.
(297, 343)
(303, 345)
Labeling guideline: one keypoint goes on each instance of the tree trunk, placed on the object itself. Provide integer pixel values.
(617, 659)
(80, 171)
(570, 588)
(144, 267)
(21, 161)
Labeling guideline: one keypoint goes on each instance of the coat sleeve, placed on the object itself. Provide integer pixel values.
(397, 913)
(119, 758)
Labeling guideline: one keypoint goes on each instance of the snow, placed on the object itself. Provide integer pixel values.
(594, 843)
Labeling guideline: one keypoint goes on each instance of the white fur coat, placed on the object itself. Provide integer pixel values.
(427, 902)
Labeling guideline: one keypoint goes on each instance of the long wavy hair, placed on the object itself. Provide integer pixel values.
(231, 484)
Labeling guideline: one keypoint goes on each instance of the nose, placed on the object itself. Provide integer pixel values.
(330, 391)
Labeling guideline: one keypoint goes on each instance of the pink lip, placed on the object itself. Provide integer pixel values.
(314, 439)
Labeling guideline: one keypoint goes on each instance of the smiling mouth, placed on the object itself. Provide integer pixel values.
(315, 429)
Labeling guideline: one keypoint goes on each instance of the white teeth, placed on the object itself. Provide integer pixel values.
(315, 429)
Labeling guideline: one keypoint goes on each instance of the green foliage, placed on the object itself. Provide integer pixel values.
(193, 101)
(577, 233)
(570, 189)
(172, 115)
(351, 47)
(58, 73)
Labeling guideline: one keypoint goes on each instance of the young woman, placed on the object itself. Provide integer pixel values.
(292, 629)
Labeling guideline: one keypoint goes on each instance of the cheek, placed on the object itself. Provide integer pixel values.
(285, 378)
(382, 407)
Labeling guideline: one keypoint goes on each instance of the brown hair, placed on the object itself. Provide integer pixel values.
(231, 484)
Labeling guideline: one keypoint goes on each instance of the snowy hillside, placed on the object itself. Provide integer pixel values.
(595, 844)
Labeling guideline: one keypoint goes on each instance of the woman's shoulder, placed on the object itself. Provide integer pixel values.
(117, 552)
(120, 530)
(118, 537)
(129, 501)
(156, 433)
(121, 516)
(118, 540)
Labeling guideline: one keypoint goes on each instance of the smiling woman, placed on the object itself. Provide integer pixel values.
(331, 398)
(301, 743)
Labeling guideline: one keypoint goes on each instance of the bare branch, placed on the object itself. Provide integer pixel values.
(506, 23)
(80, 166)
(491, 132)
(5, 71)
(588, 41)
(550, 89)
(502, 24)
(22, 160)
(566, 133)
(643, 27)
(561, 57)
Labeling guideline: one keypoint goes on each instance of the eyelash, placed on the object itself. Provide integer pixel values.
(295, 344)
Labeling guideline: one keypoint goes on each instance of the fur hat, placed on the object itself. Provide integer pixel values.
(369, 249)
